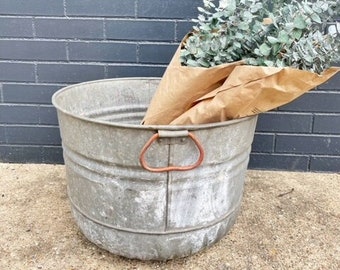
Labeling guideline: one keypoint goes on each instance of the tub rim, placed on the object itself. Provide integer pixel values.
(135, 126)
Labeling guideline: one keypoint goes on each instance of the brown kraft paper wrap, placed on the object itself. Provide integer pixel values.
(197, 95)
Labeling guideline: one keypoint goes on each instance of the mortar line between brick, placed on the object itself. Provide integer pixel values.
(309, 162)
(34, 83)
(137, 53)
(80, 63)
(111, 41)
(1, 93)
(64, 7)
(106, 71)
(33, 105)
(311, 128)
(274, 143)
(136, 9)
(93, 18)
(67, 51)
(6, 133)
(19, 125)
(36, 77)
(33, 145)
(34, 32)
(175, 34)
(104, 30)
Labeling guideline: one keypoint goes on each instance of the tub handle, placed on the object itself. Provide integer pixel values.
(169, 134)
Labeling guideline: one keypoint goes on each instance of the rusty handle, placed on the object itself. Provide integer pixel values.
(171, 168)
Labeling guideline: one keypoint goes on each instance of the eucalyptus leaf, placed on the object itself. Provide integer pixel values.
(299, 22)
(201, 18)
(237, 44)
(251, 61)
(192, 63)
(231, 6)
(307, 8)
(268, 63)
(265, 49)
(200, 9)
(247, 15)
(272, 40)
(315, 17)
(243, 26)
(279, 63)
(283, 36)
(205, 27)
(203, 62)
(296, 33)
(276, 49)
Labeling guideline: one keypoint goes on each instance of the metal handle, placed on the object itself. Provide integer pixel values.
(171, 168)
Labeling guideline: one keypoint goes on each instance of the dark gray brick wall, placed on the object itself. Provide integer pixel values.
(69, 28)
(68, 73)
(156, 54)
(120, 71)
(102, 52)
(24, 50)
(140, 30)
(168, 9)
(32, 7)
(48, 44)
(16, 27)
(17, 72)
(101, 8)
(16, 93)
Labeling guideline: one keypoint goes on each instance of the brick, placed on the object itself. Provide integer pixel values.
(69, 73)
(168, 9)
(134, 71)
(263, 143)
(32, 50)
(23, 93)
(69, 28)
(16, 27)
(322, 145)
(103, 52)
(327, 124)
(315, 102)
(20, 154)
(183, 28)
(278, 162)
(100, 8)
(19, 72)
(33, 135)
(140, 30)
(284, 122)
(331, 84)
(325, 164)
(31, 154)
(52, 155)
(47, 115)
(32, 7)
(156, 53)
(18, 114)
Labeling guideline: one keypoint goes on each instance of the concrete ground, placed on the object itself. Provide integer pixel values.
(287, 221)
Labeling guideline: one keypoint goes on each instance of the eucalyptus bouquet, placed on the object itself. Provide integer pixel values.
(244, 57)
(264, 33)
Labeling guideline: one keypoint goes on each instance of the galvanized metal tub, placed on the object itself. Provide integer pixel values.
(148, 192)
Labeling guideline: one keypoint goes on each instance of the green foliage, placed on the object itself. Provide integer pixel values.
(264, 33)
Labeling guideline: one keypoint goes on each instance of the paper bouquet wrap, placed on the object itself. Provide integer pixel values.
(197, 95)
